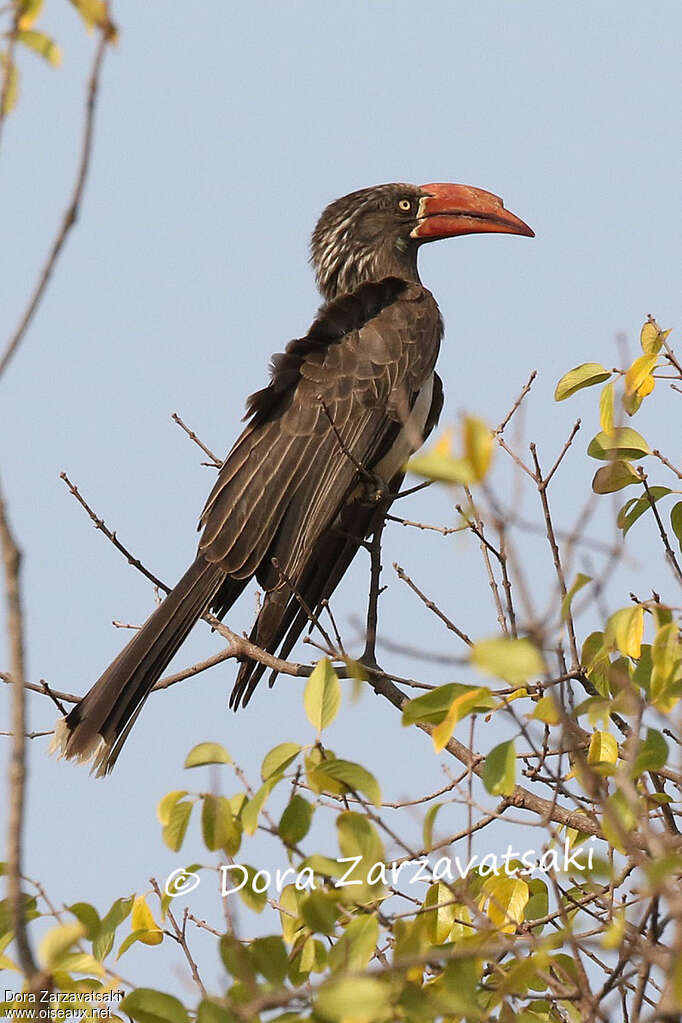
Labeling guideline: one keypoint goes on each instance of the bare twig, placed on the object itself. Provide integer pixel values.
(17, 765)
(669, 553)
(430, 604)
(193, 437)
(101, 525)
(106, 32)
(503, 425)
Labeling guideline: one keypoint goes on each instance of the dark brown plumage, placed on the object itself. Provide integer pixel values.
(290, 506)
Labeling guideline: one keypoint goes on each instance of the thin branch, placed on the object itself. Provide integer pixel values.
(666, 461)
(180, 937)
(669, 553)
(70, 216)
(101, 525)
(217, 462)
(402, 575)
(17, 766)
(503, 425)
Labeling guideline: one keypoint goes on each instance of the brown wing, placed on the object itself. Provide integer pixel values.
(285, 614)
(285, 480)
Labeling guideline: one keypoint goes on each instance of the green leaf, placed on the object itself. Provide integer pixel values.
(207, 753)
(88, 916)
(619, 819)
(41, 44)
(143, 935)
(537, 906)
(440, 914)
(104, 941)
(432, 707)
(585, 375)
(255, 900)
(613, 477)
(514, 660)
(236, 959)
(295, 821)
(636, 506)
(622, 442)
(429, 821)
(463, 704)
(360, 999)
(219, 827)
(652, 755)
(165, 806)
(319, 912)
(499, 770)
(211, 1012)
(322, 696)
(353, 775)
(269, 956)
(149, 1006)
(278, 759)
(580, 581)
(251, 811)
(355, 948)
(174, 832)
(676, 522)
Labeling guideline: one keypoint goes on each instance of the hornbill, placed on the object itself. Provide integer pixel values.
(323, 450)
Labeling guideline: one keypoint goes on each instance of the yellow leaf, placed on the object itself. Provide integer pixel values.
(546, 710)
(652, 337)
(585, 375)
(443, 445)
(646, 387)
(478, 445)
(41, 44)
(625, 629)
(606, 408)
(459, 708)
(29, 11)
(12, 87)
(603, 749)
(141, 919)
(640, 369)
(57, 942)
(505, 899)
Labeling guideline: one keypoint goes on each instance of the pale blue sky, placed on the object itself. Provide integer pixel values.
(222, 132)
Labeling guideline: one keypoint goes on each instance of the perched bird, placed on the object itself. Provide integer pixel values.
(324, 447)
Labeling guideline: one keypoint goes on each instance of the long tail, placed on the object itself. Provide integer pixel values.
(98, 726)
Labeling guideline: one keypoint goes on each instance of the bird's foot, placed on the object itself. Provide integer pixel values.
(375, 489)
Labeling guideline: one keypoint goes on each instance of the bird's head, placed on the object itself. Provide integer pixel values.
(376, 232)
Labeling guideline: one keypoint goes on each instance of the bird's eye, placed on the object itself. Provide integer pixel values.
(405, 205)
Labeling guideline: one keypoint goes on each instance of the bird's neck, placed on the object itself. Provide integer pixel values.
(338, 276)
